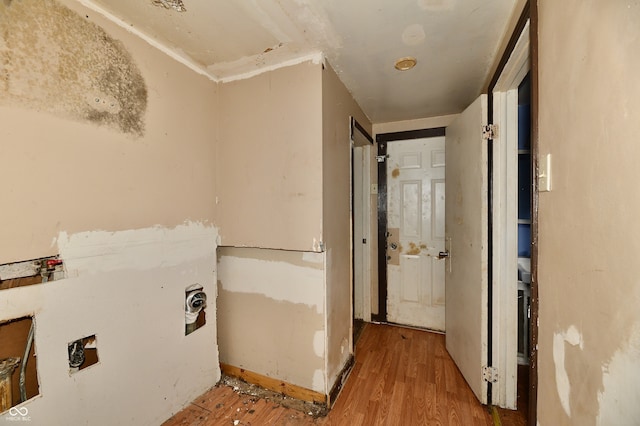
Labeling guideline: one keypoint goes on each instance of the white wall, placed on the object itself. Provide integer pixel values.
(127, 288)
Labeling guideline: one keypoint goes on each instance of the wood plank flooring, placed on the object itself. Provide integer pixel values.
(401, 377)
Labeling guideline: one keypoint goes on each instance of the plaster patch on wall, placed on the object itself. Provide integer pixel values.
(573, 337)
(54, 60)
(436, 5)
(618, 400)
(318, 343)
(313, 257)
(413, 35)
(318, 379)
(95, 252)
(281, 281)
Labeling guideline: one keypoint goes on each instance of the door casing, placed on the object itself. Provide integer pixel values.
(382, 140)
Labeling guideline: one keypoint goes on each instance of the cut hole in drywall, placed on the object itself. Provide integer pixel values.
(29, 272)
(194, 305)
(83, 353)
(18, 367)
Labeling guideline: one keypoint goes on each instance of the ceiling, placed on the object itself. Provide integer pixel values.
(454, 41)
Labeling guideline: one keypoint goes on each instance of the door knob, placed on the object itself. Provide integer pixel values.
(443, 254)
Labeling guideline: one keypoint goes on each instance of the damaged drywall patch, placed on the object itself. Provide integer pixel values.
(619, 398)
(573, 337)
(277, 280)
(95, 252)
(54, 60)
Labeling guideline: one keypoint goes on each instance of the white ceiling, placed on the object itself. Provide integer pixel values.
(454, 41)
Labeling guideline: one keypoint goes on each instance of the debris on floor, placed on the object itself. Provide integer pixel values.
(243, 388)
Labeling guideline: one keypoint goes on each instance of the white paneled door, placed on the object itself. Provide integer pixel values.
(466, 231)
(416, 232)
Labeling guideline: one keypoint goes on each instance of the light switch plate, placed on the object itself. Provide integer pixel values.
(374, 188)
(544, 173)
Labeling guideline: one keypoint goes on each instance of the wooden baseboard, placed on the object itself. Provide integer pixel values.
(340, 380)
(275, 385)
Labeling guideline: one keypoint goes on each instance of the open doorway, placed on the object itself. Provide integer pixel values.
(361, 143)
(513, 221)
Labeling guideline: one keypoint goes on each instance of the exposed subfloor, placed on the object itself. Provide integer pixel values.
(401, 377)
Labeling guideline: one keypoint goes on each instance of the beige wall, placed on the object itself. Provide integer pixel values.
(108, 184)
(270, 160)
(589, 343)
(67, 173)
(293, 192)
(272, 314)
(272, 282)
(337, 108)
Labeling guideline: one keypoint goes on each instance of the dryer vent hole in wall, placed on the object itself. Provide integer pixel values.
(194, 305)
(18, 363)
(29, 272)
(83, 353)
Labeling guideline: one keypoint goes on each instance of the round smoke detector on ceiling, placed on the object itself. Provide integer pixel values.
(404, 64)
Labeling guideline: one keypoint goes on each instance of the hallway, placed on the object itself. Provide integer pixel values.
(401, 377)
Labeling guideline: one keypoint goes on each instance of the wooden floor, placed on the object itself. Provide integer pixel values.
(401, 377)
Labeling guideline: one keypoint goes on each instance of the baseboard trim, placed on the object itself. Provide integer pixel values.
(341, 380)
(275, 385)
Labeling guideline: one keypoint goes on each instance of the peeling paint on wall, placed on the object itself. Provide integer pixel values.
(176, 5)
(573, 337)
(54, 60)
(619, 399)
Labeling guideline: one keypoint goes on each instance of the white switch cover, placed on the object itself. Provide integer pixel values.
(544, 174)
(374, 188)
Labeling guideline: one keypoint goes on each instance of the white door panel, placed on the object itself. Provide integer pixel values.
(466, 234)
(416, 214)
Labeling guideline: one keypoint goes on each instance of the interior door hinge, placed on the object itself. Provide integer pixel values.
(490, 131)
(382, 158)
(490, 374)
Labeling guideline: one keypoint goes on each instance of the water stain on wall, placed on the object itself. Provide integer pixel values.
(54, 60)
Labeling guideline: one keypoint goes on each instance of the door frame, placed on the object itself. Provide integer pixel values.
(382, 140)
(505, 242)
(360, 138)
(528, 16)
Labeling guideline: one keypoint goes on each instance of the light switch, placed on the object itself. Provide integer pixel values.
(374, 188)
(544, 173)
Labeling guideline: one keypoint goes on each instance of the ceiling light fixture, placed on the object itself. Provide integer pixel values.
(404, 64)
